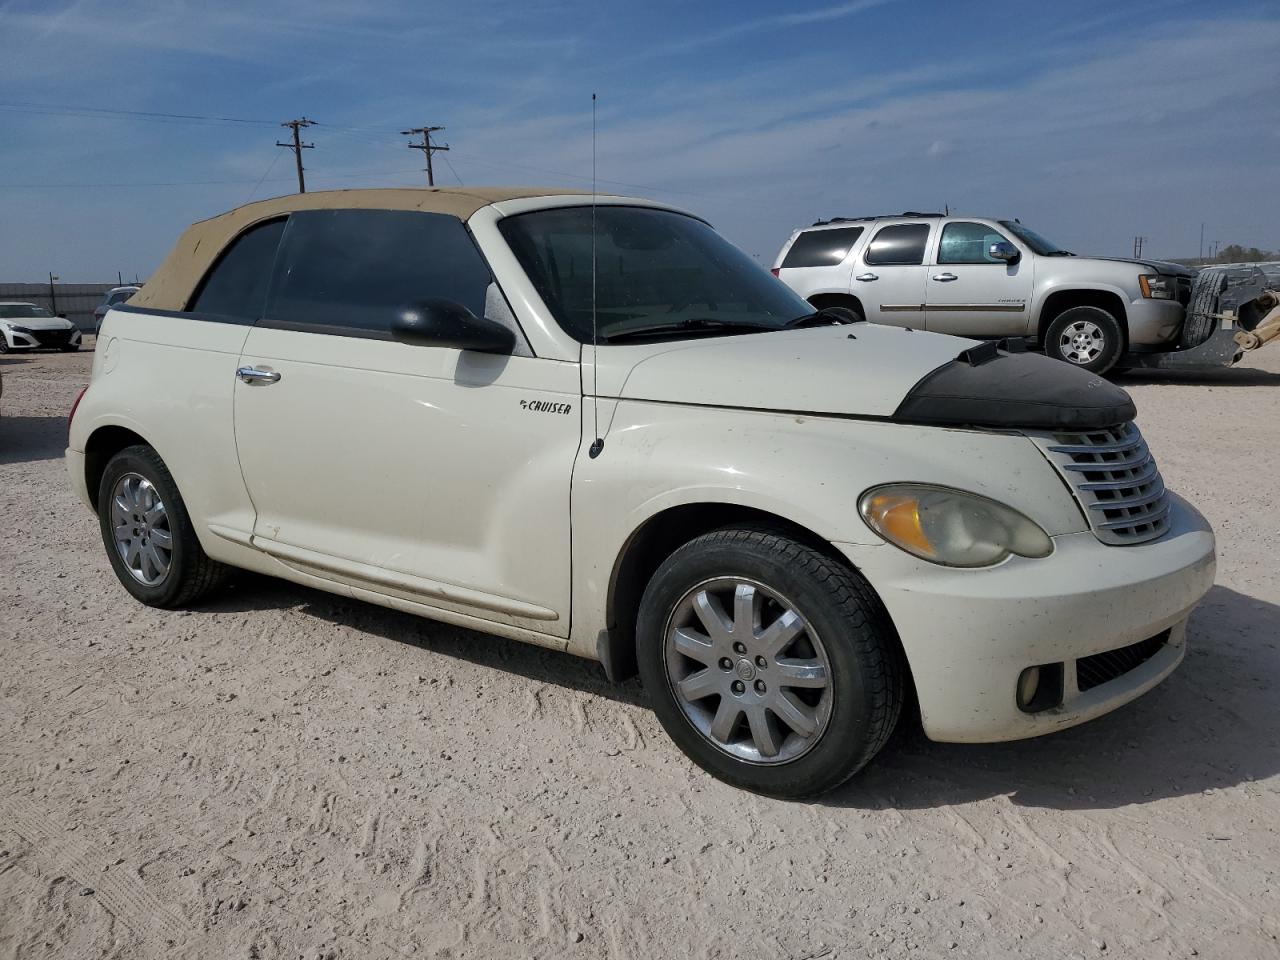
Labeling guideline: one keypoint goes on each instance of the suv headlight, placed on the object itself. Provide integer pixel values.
(1155, 286)
(14, 328)
(949, 526)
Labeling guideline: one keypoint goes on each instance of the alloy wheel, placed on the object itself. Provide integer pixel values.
(1082, 342)
(140, 526)
(748, 671)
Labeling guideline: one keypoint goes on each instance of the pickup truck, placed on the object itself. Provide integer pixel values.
(978, 277)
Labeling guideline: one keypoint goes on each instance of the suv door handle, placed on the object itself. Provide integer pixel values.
(945, 277)
(865, 277)
(254, 375)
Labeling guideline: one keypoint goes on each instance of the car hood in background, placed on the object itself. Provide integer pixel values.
(39, 323)
(1159, 266)
(857, 369)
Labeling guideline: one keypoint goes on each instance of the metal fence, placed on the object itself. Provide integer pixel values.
(75, 300)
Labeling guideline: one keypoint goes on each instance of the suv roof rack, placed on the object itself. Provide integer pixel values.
(882, 216)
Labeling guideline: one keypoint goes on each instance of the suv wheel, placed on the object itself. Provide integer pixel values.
(1087, 337)
(774, 667)
(148, 534)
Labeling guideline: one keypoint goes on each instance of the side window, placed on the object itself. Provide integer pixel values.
(901, 243)
(822, 248)
(236, 284)
(350, 271)
(119, 297)
(968, 243)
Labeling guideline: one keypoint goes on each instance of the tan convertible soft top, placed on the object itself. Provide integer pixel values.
(171, 287)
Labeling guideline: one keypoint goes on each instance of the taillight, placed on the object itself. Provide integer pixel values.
(776, 271)
(75, 406)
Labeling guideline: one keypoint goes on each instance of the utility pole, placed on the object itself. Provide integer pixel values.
(1201, 239)
(53, 295)
(1137, 246)
(427, 147)
(298, 146)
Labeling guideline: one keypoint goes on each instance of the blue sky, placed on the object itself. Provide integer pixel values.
(1092, 121)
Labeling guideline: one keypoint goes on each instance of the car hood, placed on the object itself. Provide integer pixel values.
(863, 370)
(39, 323)
(854, 369)
(1159, 266)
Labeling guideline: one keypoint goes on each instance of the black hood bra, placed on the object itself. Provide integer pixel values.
(989, 387)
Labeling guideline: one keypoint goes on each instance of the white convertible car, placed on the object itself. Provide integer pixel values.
(595, 425)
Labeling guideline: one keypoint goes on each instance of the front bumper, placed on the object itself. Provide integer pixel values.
(43, 339)
(1154, 322)
(969, 634)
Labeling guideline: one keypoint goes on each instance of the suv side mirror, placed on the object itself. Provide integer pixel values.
(1004, 250)
(443, 323)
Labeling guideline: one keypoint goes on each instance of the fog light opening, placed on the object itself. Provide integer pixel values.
(1040, 688)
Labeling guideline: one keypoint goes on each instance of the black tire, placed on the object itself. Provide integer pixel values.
(4, 344)
(70, 348)
(1200, 322)
(845, 303)
(191, 574)
(866, 676)
(1107, 327)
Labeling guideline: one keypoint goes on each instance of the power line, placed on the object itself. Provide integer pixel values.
(271, 166)
(298, 146)
(427, 147)
(53, 109)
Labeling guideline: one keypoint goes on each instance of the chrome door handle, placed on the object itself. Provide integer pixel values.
(254, 375)
(865, 277)
(945, 277)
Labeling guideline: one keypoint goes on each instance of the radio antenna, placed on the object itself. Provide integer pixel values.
(597, 444)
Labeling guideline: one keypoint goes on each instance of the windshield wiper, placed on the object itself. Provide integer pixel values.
(691, 324)
(1059, 253)
(827, 315)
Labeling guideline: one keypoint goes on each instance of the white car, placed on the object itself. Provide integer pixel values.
(26, 326)
(787, 521)
(115, 295)
(979, 277)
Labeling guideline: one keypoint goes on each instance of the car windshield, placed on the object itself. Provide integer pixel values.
(22, 311)
(1045, 248)
(658, 273)
(119, 296)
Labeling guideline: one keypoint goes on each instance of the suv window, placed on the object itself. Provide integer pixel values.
(236, 285)
(822, 248)
(120, 296)
(901, 243)
(968, 243)
(350, 271)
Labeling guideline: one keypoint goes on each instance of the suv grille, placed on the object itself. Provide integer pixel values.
(1103, 667)
(51, 338)
(1116, 481)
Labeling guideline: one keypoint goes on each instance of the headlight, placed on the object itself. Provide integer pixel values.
(1157, 287)
(951, 527)
(14, 328)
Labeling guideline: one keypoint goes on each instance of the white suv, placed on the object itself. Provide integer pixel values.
(784, 519)
(990, 278)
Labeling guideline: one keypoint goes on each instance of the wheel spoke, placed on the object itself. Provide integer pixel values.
(704, 683)
(123, 532)
(725, 719)
(746, 610)
(780, 634)
(694, 645)
(154, 513)
(712, 616)
(762, 732)
(159, 566)
(131, 553)
(794, 714)
(801, 673)
(120, 508)
(162, 538)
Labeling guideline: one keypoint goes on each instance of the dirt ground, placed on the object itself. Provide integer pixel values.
(285, 773)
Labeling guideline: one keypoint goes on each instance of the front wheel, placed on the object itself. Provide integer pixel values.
(1086, 337)
(773, 666)
(70, 348)
(148, 534)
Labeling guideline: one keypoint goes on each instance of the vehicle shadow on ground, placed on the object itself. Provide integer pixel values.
(1212, 725)
(27, 439)
(251, 592)
(1211, 377)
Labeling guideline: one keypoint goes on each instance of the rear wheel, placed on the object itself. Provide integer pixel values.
(148, 534)
(1200, 321)
(848, 303)
(1087, 337)
(774, 667)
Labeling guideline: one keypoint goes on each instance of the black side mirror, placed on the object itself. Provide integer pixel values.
(443, 323)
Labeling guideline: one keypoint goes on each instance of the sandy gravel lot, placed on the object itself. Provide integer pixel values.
(288, 774)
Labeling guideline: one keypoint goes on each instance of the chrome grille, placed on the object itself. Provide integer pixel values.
(1116, 481)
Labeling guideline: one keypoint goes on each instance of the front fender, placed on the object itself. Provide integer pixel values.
(810, 471)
